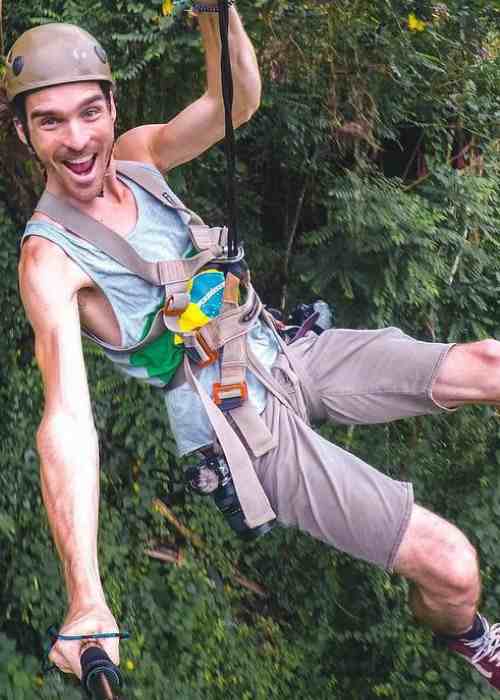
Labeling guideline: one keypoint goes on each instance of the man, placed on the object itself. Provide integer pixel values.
(64, 109)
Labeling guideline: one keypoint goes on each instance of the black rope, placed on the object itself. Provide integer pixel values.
(229, 142)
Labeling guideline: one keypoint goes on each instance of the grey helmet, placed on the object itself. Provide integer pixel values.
(54, 54)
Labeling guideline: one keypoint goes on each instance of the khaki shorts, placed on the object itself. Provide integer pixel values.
(352, 377)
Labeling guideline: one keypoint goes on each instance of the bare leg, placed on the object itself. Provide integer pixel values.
(443, 570)
(469, 374)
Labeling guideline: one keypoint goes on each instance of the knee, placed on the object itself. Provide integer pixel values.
(485, 355)
(470, 373)
(487, 352)
(439, 559)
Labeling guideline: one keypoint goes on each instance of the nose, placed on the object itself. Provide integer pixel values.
(76, 136)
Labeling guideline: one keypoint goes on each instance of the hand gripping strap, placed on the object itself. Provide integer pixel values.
(253, 500)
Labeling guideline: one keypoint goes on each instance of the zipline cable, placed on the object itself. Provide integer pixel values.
(229, 141)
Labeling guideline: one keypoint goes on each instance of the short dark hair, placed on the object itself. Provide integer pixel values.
(7, 112)
(19, 107)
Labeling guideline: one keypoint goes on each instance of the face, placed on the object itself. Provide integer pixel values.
(72, 131)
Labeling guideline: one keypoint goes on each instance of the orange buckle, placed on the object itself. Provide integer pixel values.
(238, 393)
(171, 312)
(210, 354)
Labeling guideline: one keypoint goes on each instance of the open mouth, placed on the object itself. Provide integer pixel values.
(81, 166)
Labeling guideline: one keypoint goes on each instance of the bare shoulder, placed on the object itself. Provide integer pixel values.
(49, 294)
(38, 216)
(48, 279)
(42, 260)
(136, 144)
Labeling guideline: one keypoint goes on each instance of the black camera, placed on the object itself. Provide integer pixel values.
(320, 313)
(316, 317)
(212, 477)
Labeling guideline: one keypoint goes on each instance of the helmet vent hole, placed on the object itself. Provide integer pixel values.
(101, 54)
(18, 65)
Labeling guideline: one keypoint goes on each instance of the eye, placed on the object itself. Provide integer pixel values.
(49, 122)
(92, 113)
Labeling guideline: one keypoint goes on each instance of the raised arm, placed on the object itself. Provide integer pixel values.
(66, 441)
(201, 124)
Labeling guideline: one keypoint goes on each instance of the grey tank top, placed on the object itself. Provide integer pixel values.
(160, 234)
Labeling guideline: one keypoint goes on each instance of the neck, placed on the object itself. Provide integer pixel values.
(114, 192)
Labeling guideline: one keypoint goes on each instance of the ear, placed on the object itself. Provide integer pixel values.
(20, 131)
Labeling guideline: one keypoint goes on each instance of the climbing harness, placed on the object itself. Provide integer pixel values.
(222, 338)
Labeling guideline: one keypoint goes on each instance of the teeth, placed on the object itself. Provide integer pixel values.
(79, 161)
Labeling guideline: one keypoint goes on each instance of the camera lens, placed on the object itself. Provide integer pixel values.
(213, 477)
(205, 480)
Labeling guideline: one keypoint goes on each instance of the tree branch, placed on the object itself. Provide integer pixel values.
(289, 246)
(456, 262)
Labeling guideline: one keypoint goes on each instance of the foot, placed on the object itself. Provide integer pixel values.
(483, 653)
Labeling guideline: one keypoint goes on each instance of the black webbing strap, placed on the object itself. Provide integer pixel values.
(229, 142)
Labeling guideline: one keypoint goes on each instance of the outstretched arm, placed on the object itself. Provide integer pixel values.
(201, 124)
(66, 440)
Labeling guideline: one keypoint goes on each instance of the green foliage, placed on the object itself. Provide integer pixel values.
(341, 80)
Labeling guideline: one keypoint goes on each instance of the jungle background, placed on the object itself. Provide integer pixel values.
(368, 178)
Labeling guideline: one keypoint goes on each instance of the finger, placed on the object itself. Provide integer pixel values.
(60, 661)
(66, 656)
(112, 649)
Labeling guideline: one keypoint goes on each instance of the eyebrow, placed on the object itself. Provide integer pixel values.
(38, 113)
